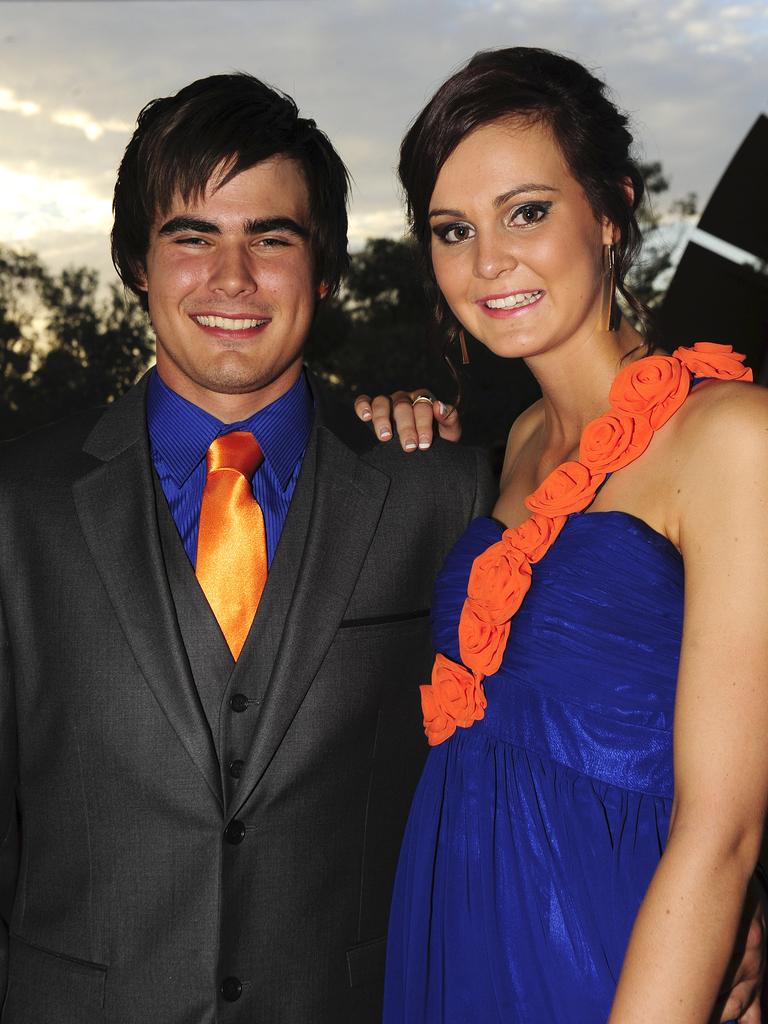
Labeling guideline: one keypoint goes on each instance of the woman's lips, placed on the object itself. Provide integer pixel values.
(510, 304)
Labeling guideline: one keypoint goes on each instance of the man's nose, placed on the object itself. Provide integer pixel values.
(233, 272)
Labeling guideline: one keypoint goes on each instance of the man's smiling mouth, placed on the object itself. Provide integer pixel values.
(225, 323)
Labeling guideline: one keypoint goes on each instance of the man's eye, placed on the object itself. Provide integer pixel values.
(193, 240)
(453, 233)
(530, 213)
(273, 243)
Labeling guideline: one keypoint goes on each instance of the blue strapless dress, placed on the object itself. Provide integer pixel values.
(533, 834)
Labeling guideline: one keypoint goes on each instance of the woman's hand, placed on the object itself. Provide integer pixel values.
(414, 414)
(740, 999)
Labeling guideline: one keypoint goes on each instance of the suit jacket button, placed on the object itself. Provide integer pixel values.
(234, 833)
(236, 768)
(238, 702)
(231, 989)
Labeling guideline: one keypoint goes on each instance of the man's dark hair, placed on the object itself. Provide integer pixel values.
(230, 122)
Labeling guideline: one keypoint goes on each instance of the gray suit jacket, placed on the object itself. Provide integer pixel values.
(186, 842)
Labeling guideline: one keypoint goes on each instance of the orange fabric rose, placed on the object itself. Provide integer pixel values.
(437, 725)
(456, 697)
(707, 359)
(614, 440)
(655, 387)
(498, 582)
(481, 644)
(568, 488)
(535, 536)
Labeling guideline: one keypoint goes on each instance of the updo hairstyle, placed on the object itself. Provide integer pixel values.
(539, 87)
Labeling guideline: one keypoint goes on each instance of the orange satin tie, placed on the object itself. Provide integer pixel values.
(232, 543)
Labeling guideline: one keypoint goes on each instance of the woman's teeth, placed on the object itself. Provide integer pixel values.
(511, 301)
(227, 324)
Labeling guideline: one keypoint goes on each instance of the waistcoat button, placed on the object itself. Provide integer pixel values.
(231, 989)
(234, 833)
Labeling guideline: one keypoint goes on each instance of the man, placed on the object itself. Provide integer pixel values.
(201, 802)
(214, 618)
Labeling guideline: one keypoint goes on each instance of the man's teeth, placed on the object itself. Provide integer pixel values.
(227, 324)
(511, 301)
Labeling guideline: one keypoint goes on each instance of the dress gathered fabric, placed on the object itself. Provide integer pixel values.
(534, 834)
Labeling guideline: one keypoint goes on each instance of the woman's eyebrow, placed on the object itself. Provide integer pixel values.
(529, 186)
(519, 189)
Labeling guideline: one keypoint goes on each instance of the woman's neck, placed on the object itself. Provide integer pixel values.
(575, 379)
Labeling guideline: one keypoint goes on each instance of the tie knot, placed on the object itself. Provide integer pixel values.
(239, 450)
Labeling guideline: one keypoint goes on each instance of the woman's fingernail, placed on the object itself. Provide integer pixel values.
(424, 443)
(385, 434)
(443, 408)
(366, 414)
(410, 446)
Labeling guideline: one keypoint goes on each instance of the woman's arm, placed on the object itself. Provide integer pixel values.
(687, 925)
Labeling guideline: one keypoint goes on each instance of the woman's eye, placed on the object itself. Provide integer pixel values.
(530, 213)
(453, 233)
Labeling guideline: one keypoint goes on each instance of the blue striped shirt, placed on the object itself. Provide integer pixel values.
(180, 434)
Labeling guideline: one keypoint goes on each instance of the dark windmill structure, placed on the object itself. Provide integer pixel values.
(712, 297)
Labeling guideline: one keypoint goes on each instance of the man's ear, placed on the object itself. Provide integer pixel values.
(141, 279)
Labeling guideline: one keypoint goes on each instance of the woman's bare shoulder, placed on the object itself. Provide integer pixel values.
(724, 413)
(720, 441)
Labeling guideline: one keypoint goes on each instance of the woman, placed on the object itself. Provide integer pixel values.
(569, 856)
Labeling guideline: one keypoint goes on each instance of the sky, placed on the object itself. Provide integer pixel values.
(74, 75)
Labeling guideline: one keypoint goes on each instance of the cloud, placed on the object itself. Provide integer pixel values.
(12, 105)
(387, 223)
(90, 128)
(690, 72)
(33, 205)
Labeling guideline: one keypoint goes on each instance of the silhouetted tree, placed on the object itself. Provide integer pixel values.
(63, 347)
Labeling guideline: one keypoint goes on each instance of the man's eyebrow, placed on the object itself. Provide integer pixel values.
(500, 200)
(263, 225)
(255, 226)
(182, 223)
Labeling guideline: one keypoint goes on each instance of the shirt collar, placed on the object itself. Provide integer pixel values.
(181, 432)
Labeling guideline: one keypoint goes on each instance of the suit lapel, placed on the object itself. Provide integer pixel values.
(116, 507)
(345, 501)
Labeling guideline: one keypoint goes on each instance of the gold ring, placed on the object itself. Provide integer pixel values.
(422, 398)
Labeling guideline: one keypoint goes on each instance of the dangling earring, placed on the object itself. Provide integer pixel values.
(609, 315)
(463, 347)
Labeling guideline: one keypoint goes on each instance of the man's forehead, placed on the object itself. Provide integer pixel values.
(275, 188)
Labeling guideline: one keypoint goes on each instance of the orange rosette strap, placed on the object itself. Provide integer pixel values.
(643, 396)
(498, 582)
(454, 698)
(481, 643)
(568, 488)
(614, 440)
(535, 536)
(655, 387)
(706, 359)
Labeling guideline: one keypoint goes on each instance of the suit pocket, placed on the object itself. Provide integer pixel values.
(365, 963)
(48, 988)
